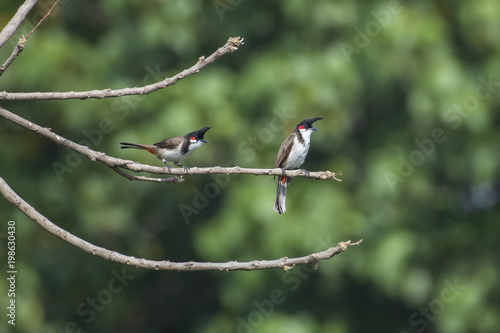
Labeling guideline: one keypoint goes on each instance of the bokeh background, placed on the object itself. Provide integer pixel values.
(410, 92)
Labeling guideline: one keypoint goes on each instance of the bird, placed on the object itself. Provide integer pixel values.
(173, 149)
(291, 155)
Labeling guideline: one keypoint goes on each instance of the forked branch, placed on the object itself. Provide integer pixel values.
(166, 265)
(10, 29)
(117, 163)
(21, 44)
(232, 45)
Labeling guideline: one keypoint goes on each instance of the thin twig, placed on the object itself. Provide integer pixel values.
(283, 263)
(232, 45)
(115, 163)
(43, 19)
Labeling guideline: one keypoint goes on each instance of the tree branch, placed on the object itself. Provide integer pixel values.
(15, 53)
(283, 263)
(147, 179)
(10, 29)
(232, 45)
(116, 163)
(21, 44)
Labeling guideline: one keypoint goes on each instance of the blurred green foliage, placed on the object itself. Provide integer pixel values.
(385, 75)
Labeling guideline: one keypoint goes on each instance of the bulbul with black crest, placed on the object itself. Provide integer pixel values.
(292, 154)
(173, 149)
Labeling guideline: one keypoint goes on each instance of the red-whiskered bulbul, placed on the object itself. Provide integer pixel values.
(292, 154)
(173, 149)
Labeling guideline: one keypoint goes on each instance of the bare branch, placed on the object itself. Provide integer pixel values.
(116, 163)
(232, 45)
(235, 170)
(21, 44)
(15, 53)
(283, 263)
(10, 29)
(147, 179)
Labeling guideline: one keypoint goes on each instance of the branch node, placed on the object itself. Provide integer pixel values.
(343, 245)
(235, 42)
(22, 43)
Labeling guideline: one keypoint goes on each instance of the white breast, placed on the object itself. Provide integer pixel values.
(299, 151)
(174, 155)
(171, 155)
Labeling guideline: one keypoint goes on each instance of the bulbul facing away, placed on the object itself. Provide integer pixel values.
(173, 149)
(292, 154)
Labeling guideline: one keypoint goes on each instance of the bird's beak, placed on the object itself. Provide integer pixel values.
(203, 140)
(314, 129)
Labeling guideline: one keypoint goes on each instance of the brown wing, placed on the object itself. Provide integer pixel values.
(284, 151)
(170, 143)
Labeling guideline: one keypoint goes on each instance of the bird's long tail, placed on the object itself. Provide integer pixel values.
(280, 203)
(149, 148)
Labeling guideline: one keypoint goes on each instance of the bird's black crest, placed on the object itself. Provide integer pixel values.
(199, 133)
(307, 123)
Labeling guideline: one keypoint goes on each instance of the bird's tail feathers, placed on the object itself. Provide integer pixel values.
(280, 203)
(149, 148)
